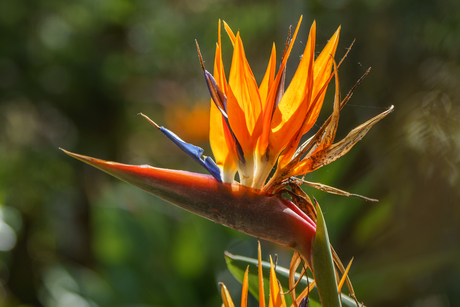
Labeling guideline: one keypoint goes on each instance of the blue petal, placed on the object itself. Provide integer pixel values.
(195, 152)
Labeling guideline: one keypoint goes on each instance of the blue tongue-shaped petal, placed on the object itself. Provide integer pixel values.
(194, 152)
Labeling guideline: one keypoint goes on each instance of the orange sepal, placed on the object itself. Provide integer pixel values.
(272, 94)
(244, 291)
(322, 76)
(226, 298)
(261, 279)
(219, 72)
(321, 72)
(243, 100)
(220, 139)
(269, 76)
(221, 146)
(230, 33)
(290, 113)
(276, 299)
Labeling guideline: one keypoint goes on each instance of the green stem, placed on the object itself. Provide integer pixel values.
(323, 265)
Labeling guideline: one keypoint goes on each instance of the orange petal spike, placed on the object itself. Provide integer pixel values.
(219, 73)
(275, 293)
(221, 146)
(226, 298)
(237, 121)
(273, 91)
(271, 298)
(322, 77)
(230, 33)
(344, 277)
(322, 72)
(219, 137)
(290, 113)
(243, 105)
(316, 139)
(322, 63)
(283, 300)
(261, 280)
(268, 78)
(331, 129)
(244, 291)
(313, 112)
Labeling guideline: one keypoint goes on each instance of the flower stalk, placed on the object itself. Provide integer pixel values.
(323, 265)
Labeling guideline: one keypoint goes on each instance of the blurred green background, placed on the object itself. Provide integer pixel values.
(74, 74)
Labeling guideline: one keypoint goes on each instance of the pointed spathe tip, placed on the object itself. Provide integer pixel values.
(74, 155)
(89, 160)
(118, 170)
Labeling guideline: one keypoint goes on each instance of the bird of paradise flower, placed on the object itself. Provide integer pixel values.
(252, 129)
